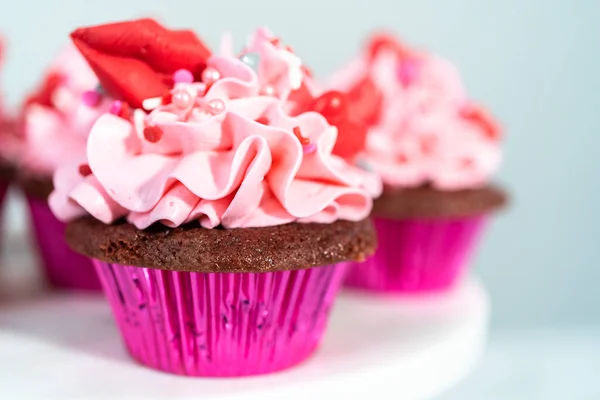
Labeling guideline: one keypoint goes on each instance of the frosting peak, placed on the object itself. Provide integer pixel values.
(422, 127)
(55, 119)
(222, 150)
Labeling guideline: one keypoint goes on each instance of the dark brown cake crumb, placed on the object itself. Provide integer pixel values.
(6, 172)
(429, 203)
(193, 248)
(34, 185)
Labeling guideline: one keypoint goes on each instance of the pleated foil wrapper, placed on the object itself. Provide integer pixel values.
(63, 268)
(418, 256)
(220, 324)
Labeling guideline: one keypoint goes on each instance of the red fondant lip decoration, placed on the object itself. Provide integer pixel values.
(380, 41)
(135, 60)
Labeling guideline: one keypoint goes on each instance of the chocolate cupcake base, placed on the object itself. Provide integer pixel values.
(428, 203)
(195, 249)
(221, 302)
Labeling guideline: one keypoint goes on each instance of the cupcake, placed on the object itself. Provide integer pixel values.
(54, 123)
(436, 152)
(217, 218)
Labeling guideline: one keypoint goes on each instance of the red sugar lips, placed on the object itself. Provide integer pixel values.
(135, 60)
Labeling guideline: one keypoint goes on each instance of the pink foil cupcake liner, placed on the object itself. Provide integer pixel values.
(220, 324)
(64, 268)
(418, 256)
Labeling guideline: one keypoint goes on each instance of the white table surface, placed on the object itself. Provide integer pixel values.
(532, 364)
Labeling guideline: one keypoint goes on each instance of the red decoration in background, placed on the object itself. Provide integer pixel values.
(365, 101)
(478, 115)
(135, 60)
(352, 132)
(381, 41)
(43, 96)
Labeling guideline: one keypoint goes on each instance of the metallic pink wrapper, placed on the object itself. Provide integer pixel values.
(64, 268)
(418, 256)
(220, 324)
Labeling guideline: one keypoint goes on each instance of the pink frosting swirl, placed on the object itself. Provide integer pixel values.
(421, 135)
(225, 153)
(58, 131)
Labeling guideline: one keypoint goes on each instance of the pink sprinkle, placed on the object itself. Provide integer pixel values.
(407, 71)
(115, 107)
(91, 98)
(183, 76)
(309, 148)
(216, 106)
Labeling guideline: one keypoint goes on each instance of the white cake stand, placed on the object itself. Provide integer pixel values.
(65, 346)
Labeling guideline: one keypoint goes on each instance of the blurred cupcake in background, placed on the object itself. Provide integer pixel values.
(219, 223)
(8, 142)
(54, 124)
(436, 152)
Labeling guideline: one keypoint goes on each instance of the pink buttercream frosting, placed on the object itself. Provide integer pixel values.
(224, 154)
(421, 135)
(55, 132)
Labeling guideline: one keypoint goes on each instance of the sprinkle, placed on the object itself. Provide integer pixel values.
(85, 170)
(263, 120)
(303, 140)
(91, 98)
(100, 89)
(210, 75)
(275, 41)
(364, 165)
(115, 107)
(182, 99)
(309, 148)
(268, 90)
(153, 133)
(216, 106)
(407, 71)
(252, 60)
(151, 103)
(125, 112)
(183, 76)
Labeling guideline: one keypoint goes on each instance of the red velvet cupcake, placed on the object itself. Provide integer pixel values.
(436, 152)
(217, 217)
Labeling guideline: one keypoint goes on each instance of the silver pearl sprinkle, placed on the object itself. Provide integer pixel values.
(364, 165)
(252, 60)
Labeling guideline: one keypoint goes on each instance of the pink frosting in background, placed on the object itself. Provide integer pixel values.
(227, 155)
(53, 134)
(421, 136)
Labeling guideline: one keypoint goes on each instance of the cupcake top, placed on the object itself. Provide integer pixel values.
(422, 129)
(57, 117)
(223, 140)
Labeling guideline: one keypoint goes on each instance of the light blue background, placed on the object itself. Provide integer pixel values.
(536, 63)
